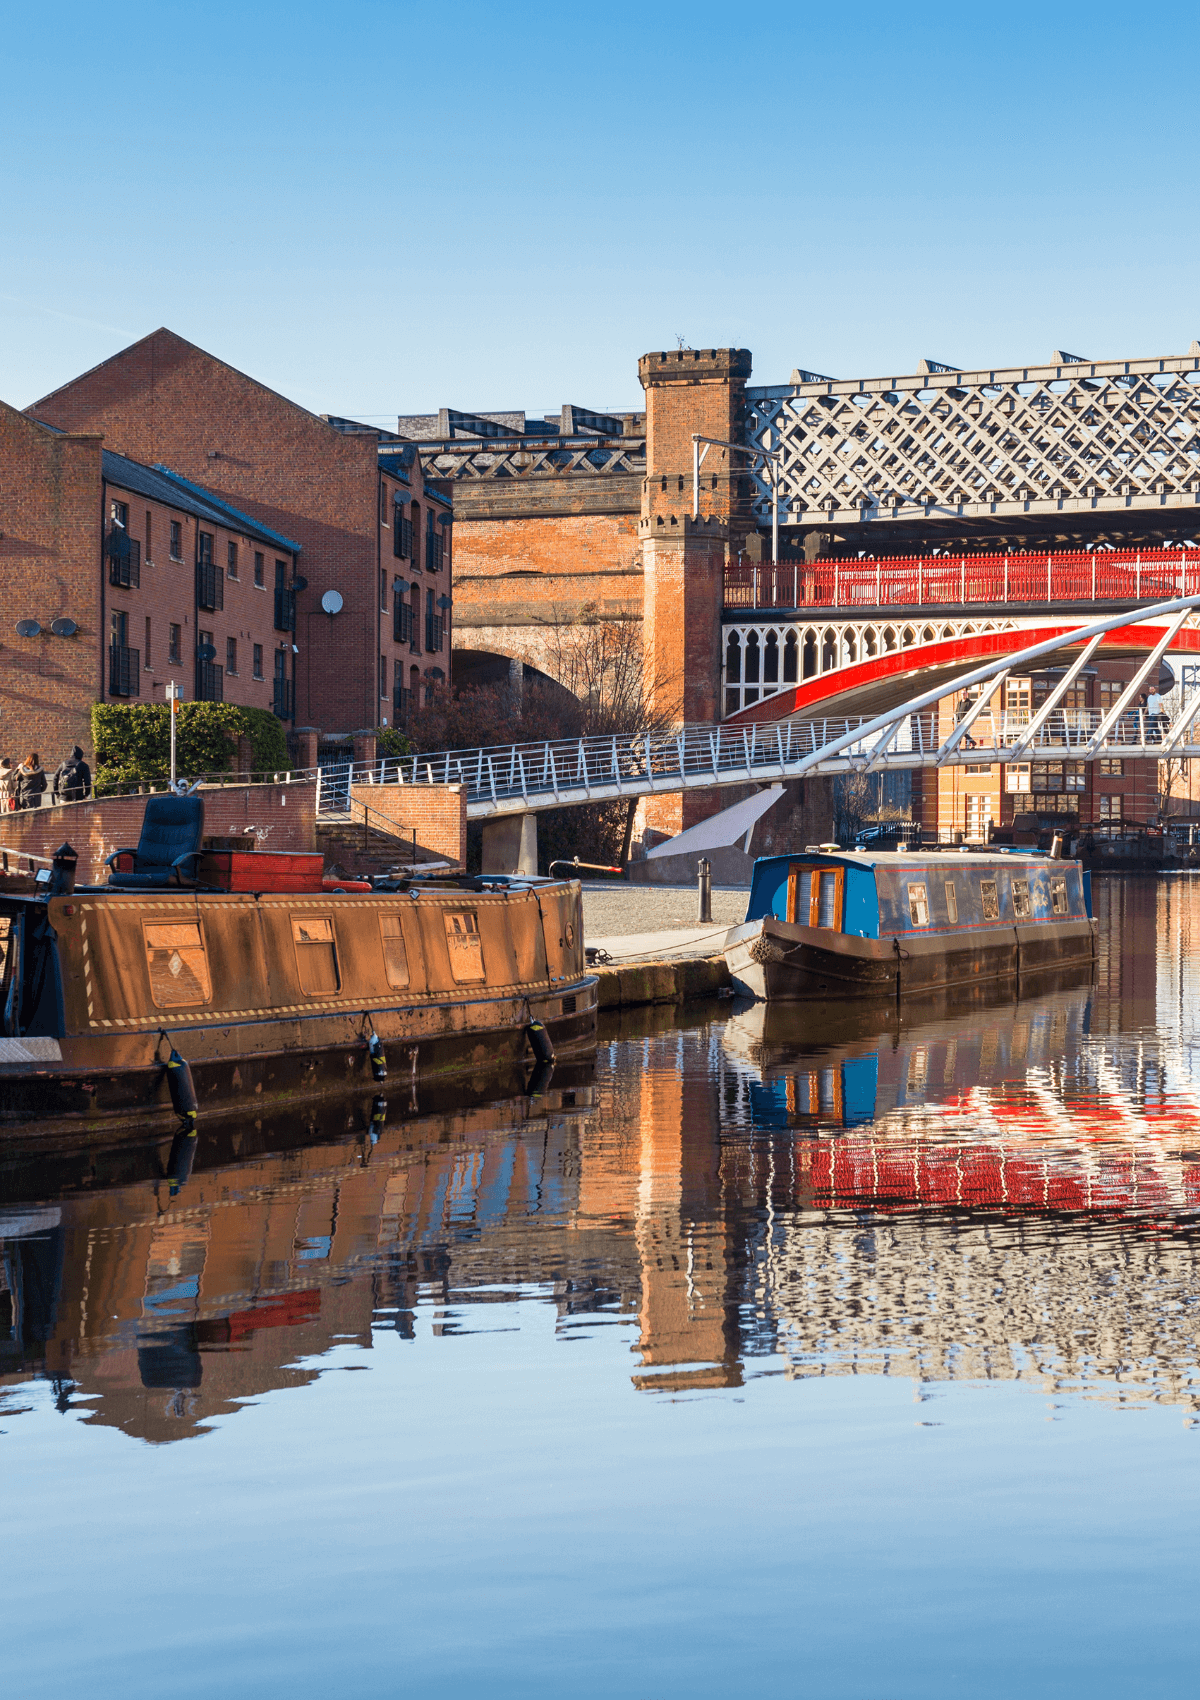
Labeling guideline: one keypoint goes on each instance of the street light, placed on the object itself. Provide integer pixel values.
(767, 455)
(174, 692)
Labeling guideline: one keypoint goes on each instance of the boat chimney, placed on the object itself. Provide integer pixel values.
(1056, 847)
(62, 872)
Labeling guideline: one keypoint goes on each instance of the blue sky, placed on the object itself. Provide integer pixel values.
(377, 206)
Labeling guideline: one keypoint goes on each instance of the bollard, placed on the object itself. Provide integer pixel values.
(704, 889)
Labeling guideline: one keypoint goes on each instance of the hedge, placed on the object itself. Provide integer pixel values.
(133, 741)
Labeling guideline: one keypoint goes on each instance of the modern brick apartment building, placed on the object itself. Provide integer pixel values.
(333, 487)
(116, 578)
(185, 574)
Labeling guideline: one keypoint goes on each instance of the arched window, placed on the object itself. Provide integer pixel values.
(810, 654)
(752, 660)
(733, 660)
(828, 650)
(791, 659)
(771, 660)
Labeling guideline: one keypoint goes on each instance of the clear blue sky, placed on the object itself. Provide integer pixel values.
(377, 206)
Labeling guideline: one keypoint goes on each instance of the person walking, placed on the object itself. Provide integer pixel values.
(6, 784)
(73, 780)
(30, 782)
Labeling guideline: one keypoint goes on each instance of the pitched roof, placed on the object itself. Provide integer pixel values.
(160, 484)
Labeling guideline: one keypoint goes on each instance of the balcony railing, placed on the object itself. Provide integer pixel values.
(402, 620)
(966, 580)
(124, 559)
(285, 610)
(284, 703)
(124, 671)
(434, 628)
(210, 682)
(210, 589)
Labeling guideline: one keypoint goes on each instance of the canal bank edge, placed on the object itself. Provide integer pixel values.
(661, 982)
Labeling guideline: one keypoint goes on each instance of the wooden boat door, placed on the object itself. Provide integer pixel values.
(814, 896)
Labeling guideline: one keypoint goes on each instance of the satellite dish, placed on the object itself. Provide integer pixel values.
(63, 628)
(299, 583)
(332, 601)
(28, 628)
(206, 652)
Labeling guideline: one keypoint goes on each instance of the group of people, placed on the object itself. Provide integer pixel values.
(24, 785)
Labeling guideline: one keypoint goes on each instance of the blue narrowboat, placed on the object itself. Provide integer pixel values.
(836, 923)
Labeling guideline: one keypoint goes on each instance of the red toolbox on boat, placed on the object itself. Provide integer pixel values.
(262, 870)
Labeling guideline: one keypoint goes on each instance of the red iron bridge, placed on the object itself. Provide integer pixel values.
(967, 581)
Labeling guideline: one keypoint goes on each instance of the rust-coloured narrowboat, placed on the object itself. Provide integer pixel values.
(266, 992)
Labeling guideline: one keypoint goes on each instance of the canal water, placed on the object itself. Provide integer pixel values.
(824, 1353)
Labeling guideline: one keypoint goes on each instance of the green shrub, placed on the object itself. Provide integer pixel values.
(133, 741)
(392, 744)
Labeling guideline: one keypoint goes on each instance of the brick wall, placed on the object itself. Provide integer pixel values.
(281, 816)
(165, 400)
(438, 813)
(49, 569)
(512, 574)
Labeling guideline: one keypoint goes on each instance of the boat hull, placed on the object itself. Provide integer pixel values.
(781, 961)
(279, 995)
(123, 1077)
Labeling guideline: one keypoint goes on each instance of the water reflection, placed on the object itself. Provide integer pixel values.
(1004, 1191)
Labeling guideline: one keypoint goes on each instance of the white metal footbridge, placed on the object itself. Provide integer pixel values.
(511, 779)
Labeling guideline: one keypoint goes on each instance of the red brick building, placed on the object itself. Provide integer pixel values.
(185, 574)
(116, 578)
(50, 532)
(334, 487)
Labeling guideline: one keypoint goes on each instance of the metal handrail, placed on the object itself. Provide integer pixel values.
(984, 580)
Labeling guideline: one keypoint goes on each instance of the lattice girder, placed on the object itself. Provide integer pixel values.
(1092, 435)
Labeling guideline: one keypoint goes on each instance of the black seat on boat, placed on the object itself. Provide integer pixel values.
(169, 847)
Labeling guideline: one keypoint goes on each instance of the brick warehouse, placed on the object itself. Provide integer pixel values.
(333, 486)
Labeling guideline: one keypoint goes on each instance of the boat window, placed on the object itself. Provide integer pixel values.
(815, 897)
(178, 963)
(989, 897)
(316, 954)
(464, 944)
(395, 957)
(951, 903)
(827, 900)
(918, 905)
(803, 899)
(1058, 897)
(1022, 908)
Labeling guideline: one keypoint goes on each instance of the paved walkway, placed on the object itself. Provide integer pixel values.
(657, 923)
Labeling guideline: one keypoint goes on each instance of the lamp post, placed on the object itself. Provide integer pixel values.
(769, 456)
(173, 695)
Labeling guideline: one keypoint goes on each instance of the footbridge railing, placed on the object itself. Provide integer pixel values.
(526, 777)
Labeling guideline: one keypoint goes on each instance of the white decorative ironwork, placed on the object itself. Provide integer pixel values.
(1075, 436)
(761, 657)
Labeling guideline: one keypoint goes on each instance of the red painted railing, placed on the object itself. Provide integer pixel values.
(966, 580)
